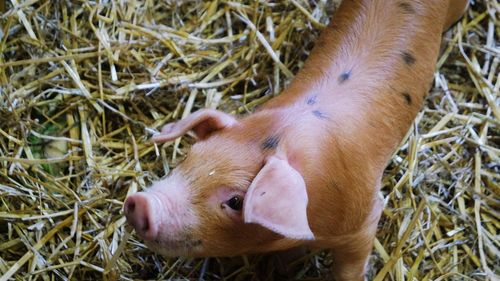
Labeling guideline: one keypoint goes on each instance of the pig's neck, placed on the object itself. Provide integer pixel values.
(369, 72)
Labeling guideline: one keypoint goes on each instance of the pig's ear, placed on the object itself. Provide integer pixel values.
(203, 122)
(277, 200)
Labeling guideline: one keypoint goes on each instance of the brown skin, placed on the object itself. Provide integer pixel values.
(338, 124)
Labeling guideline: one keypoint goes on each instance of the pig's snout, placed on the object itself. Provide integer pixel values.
(139, 212)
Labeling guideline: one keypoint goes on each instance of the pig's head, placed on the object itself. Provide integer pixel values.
(235, 193)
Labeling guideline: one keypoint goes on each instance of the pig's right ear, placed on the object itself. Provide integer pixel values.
(203, 123)
(277, 199)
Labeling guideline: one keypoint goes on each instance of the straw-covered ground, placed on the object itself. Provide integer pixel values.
(83, 84)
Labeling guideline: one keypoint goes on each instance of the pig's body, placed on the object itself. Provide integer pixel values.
(307, 166)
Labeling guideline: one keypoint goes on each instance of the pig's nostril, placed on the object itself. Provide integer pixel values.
(130, 207)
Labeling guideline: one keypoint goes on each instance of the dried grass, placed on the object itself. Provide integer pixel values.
(83, 85)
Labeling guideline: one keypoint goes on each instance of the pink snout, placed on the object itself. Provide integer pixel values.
(139, 210)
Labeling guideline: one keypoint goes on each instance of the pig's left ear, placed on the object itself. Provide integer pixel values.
(277, 199)
(203, 123)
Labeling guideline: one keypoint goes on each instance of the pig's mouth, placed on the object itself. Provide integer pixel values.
(177, 247)
(180, 244)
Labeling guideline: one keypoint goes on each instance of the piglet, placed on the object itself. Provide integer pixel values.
(305, 169)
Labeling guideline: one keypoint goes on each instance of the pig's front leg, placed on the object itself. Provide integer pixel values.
(350, 257)
(350, 260)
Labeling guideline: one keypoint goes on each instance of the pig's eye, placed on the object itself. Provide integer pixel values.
(235, 203)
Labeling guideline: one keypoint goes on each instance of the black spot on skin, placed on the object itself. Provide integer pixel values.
(406, 7)
(319, 114)
(408, 58)
(262, 193)
(311, 100)
(270, 142)
(335, 185)
(344, 76)
(407, 97)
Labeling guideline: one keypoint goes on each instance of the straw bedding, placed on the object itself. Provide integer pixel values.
(84, 84)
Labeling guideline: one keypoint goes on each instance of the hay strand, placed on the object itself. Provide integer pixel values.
(83, 85)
